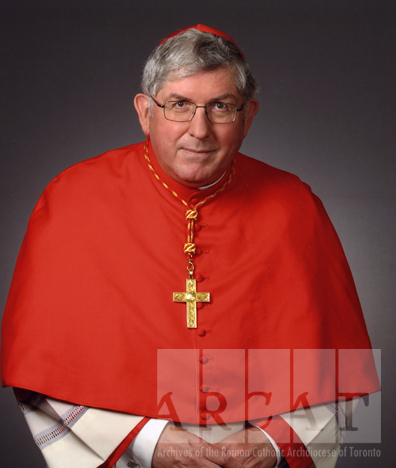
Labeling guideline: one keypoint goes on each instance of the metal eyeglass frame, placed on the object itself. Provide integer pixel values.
(195, 110)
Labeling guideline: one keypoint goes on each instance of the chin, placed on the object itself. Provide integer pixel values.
(194, 178)
(193, 183)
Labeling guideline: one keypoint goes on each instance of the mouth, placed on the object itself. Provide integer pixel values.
(197, 152)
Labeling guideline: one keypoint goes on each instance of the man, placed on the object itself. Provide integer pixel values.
(95, 328)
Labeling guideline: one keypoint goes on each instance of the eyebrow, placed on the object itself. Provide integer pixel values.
(179, 97)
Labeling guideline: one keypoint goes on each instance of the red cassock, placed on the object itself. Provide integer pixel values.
(90, 317)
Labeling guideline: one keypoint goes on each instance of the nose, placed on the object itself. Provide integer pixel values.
(200, 127)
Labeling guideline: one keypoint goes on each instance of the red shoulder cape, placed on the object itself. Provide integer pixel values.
(90, 317)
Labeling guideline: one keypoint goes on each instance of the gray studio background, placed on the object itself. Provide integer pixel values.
(69, 73)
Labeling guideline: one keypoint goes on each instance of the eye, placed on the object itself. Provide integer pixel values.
(180, 105)
(219, 106)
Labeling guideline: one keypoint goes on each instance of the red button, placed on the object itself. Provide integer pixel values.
(201, 332)
(198, 251)
(199, 278)
(204, 416)
(204, 388)
(200, 305)
(203, 359)
(197, 227)
(194, 201)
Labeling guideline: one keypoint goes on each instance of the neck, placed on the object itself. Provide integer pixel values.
(204, 187)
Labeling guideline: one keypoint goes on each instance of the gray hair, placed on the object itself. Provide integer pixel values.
(192, 52)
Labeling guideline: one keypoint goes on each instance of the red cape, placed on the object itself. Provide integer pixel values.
(90, 317)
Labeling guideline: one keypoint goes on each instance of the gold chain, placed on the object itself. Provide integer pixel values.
(191, 214)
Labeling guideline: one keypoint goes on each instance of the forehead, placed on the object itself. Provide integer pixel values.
(203, 86)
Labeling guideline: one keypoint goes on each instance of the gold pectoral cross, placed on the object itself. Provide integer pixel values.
(191, 297)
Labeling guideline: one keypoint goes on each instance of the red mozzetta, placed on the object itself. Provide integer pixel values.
(90, 317)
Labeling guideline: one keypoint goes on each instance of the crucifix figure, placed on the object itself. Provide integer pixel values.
(191, 297)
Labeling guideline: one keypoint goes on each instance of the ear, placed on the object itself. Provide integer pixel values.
(252, 109)
(142, 109)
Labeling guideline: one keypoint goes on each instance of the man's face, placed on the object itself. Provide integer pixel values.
(197, 152)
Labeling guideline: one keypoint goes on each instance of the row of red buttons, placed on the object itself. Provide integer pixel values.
(204, 416)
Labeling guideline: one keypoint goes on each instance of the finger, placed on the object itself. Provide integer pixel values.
(222, 457)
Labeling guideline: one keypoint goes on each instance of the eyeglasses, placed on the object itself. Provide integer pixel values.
(184, 111)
